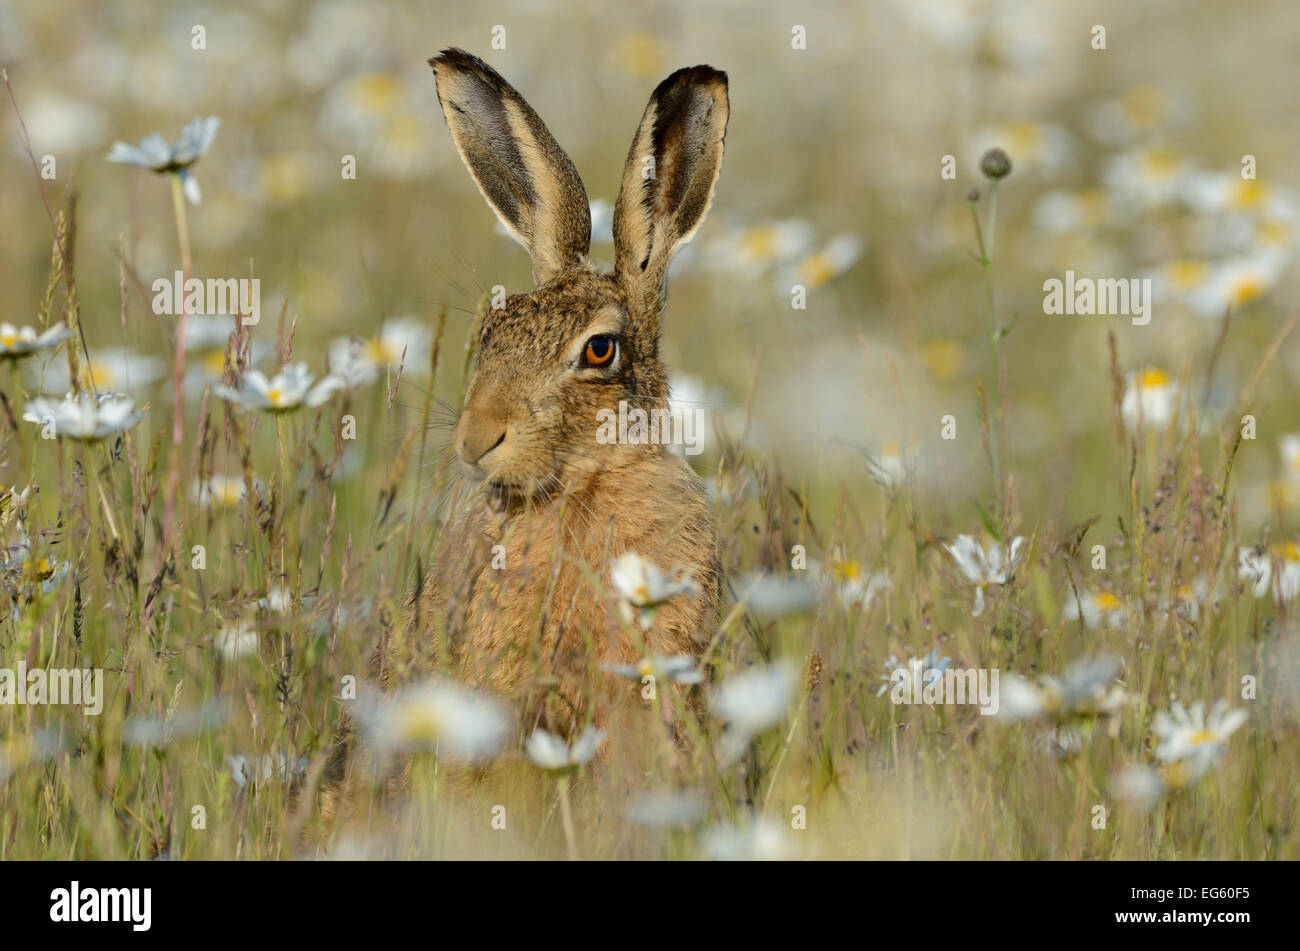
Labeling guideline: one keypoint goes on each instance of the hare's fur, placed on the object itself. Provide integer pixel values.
(539, 627)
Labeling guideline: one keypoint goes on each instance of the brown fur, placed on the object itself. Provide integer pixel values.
(536, 480)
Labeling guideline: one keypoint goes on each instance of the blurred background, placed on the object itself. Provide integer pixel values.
(1124, 166)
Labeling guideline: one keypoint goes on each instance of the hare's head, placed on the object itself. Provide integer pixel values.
(584, 340)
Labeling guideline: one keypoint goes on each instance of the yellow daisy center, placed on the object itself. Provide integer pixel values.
(379, 352)
(943, 358)
(1159, 163)
(275, 396)
(1144, 105)
(376, 93)
(1201, 737)
(1153, 378)
(1186, 275)
(760, 242)
(1106, 601)
(1273, 232)
(1245, 289)
(1025, 138)
(847, 570)
(817, 270)
(418, 722)
(1249, 194)
(284, 177)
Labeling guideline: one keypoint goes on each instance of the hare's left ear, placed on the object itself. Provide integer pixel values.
(668, 179)
(518, 166)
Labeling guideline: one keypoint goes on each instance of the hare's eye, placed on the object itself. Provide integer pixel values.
(599, 351)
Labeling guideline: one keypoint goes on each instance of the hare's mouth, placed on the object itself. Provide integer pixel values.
(504, 496)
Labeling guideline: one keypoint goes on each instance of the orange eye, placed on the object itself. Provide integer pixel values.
(600, 351)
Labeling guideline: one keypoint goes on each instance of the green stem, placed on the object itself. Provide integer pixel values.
(995, 388)
(178, 369)
(566, 817)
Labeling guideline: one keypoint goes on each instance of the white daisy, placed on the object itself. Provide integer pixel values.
(929, 669)
(1152, 395)
(263, 769)
(1097, 608)
(1229, 193)
(155, 154)
(1085, 689)
(116, 368)
(768, 595)
(83, 417)
(236, 641)
(1235, 283)
(1190, 742)
(856, 588)
(759, 840)
(401, 340)
(888, 467)
(1258, 568)
(1131, 114)
(1146, 178)
(983, 568)
(440, 716)
(551, 753)
(218, 491)
(643, 587)
(1289, 450)
(290, 389)
(751, 251)
(1181, 280)
(16, 342)
(752, 701)
(678, 669)
(825, 264)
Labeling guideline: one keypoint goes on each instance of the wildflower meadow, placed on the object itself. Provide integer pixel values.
(948, 508)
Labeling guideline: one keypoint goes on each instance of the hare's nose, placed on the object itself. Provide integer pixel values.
(475, 445)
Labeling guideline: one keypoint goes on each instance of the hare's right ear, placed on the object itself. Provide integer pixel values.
(521, 171)
(668, 179)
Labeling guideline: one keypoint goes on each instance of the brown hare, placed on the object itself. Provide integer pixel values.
(519, 600)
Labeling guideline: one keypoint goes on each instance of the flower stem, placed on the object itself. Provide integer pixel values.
(995, 334)
(566, 817)
(89, 463)
(178, 369)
